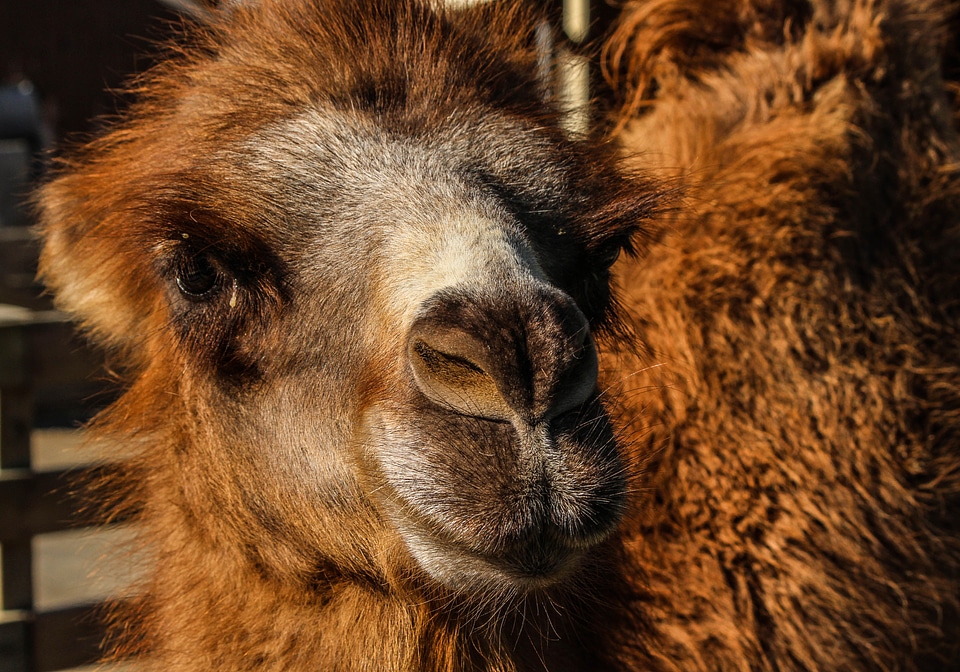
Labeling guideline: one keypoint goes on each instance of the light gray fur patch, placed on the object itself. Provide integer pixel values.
(416, 221)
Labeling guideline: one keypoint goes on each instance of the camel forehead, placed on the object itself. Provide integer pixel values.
(412, 205)
(336, 148)
(337, 171)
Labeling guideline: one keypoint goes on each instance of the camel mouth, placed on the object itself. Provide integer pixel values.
(541, 564)
(521, 569)
(491, 504)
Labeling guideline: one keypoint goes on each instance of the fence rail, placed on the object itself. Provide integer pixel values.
(45, 370)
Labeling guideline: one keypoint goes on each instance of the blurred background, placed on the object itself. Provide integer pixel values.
(62, 63)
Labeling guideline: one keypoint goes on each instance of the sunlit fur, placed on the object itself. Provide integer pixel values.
(347, 259)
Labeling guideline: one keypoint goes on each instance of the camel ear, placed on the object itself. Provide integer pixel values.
(90, 259)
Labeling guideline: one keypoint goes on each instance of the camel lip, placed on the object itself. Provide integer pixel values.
(536, 568)
(524, 567)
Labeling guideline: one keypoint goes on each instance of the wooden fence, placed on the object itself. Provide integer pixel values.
(45, 371)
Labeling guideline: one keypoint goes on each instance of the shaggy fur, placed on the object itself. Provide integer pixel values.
(781, 364)
(800, 383)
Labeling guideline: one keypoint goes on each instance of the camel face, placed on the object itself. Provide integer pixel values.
(369, 281)
(391, 321)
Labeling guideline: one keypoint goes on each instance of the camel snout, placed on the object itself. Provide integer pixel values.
(525, 357)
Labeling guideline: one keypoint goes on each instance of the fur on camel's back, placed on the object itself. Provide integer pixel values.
(798, 388)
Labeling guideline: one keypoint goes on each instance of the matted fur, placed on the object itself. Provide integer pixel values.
(782, 368)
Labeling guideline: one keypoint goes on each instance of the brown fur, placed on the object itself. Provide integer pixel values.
(782, 367)
(801, 389)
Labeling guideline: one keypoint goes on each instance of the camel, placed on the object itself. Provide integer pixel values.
(419, 379)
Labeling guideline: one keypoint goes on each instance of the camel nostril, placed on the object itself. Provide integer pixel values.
(454, 379)
(447, 365)
(525, 356)
(577, 380)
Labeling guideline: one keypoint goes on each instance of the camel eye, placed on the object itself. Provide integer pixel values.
(609, 254)
(197, 275)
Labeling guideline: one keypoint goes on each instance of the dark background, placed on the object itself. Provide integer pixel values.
(75, 51)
